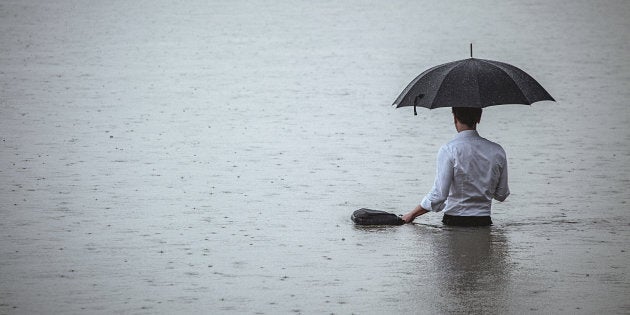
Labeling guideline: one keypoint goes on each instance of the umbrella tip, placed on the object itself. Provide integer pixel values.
(471, 50)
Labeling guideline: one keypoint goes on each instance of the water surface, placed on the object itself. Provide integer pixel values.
(163, 157)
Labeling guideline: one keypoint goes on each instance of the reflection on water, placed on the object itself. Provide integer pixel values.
(471, 270)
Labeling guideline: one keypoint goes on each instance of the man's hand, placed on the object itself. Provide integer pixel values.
(408, 218)
(413, 214)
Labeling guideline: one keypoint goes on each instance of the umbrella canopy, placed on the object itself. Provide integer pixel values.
(472, 83)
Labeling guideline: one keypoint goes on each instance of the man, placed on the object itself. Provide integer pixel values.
(471, 171)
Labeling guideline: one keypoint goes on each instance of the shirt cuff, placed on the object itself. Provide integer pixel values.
(426, 204)
(502, 197)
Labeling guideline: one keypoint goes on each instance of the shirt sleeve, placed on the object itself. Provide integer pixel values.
(502, 191)
(436, 198)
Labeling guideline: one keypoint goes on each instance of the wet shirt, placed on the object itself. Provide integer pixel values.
(471, 171)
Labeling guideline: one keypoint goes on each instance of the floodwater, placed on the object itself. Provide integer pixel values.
(205, 157)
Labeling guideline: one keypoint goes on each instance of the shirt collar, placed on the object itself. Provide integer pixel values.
(467, 134)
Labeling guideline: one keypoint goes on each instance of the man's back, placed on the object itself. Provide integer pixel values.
(471, 171)
(479, 174)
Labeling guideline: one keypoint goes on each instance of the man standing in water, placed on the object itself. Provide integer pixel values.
(471, 171)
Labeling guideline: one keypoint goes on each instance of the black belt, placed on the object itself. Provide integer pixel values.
(466, 221)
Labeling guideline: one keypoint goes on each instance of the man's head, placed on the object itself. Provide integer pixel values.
(468, 116)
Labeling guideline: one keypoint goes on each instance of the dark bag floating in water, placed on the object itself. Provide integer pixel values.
(375, 217)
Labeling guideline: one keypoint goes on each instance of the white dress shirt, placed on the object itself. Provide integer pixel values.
(471, 170)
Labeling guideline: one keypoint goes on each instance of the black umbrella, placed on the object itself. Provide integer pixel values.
(472, 83)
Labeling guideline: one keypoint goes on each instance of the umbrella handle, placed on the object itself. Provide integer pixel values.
(415, 103)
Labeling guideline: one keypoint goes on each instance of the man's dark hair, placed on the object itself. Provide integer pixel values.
(467, 115)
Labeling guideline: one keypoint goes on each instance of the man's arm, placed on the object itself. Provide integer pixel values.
(434, 200)
(411, 215)
(502, 190)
